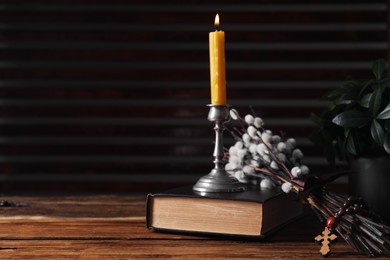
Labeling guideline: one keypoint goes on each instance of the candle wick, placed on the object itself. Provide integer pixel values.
(216, 27)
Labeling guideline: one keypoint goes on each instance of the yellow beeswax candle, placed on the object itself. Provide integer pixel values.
(217, 65)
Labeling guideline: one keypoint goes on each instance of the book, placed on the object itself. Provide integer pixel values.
(251, 213)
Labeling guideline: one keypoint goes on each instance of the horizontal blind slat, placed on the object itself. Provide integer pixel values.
(195, 27)
(197, 8)
(260, 84)
(160, 103)
(184, 65)
(190, 46)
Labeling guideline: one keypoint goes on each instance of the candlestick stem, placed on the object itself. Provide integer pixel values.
(218, 179)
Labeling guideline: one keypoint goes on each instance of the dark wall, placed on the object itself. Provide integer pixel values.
(110, 96)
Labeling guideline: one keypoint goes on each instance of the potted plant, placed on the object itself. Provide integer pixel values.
(355, 127)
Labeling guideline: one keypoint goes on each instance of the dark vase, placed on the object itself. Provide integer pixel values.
(370, 180)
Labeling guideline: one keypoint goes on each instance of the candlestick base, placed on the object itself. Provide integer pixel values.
(218, 179)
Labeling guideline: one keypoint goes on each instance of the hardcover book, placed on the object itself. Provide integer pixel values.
(252, 213)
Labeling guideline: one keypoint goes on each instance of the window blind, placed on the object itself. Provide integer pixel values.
(101, 96)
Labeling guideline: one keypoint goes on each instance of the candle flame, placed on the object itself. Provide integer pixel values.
(216, 21)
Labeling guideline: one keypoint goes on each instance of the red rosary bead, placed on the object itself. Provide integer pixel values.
(331, 223)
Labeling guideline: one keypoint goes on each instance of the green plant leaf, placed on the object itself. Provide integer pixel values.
(350, 145)
(366, 85)
(346, 132)
(316, 119)
(377, 132)
(344, 102)
(375, 101)
(352, 92)
(365, 101)
(378, 67)
(387, 125)
(385, 114)
(334, 94)
(386, 144)
(352, 118)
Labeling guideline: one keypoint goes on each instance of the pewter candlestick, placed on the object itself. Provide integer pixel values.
(218, 179)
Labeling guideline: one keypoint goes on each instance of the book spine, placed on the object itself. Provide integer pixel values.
(148, 210)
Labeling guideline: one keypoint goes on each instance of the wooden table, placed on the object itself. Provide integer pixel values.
(113, 227)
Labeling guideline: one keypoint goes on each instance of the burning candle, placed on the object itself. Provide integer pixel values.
(217, 65)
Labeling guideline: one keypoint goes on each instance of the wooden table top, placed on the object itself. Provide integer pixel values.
(113, 227)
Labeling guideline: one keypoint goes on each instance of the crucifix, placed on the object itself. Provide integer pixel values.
(327, 237)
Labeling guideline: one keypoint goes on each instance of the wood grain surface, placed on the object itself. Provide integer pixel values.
(113, 227)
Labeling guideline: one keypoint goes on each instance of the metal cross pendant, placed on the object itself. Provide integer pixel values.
(326, 238)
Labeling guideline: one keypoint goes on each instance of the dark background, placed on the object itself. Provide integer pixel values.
(110, 96)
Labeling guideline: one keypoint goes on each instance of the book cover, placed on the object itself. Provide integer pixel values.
(252, 213)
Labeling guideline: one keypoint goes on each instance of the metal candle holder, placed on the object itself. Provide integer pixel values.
(218, 179)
